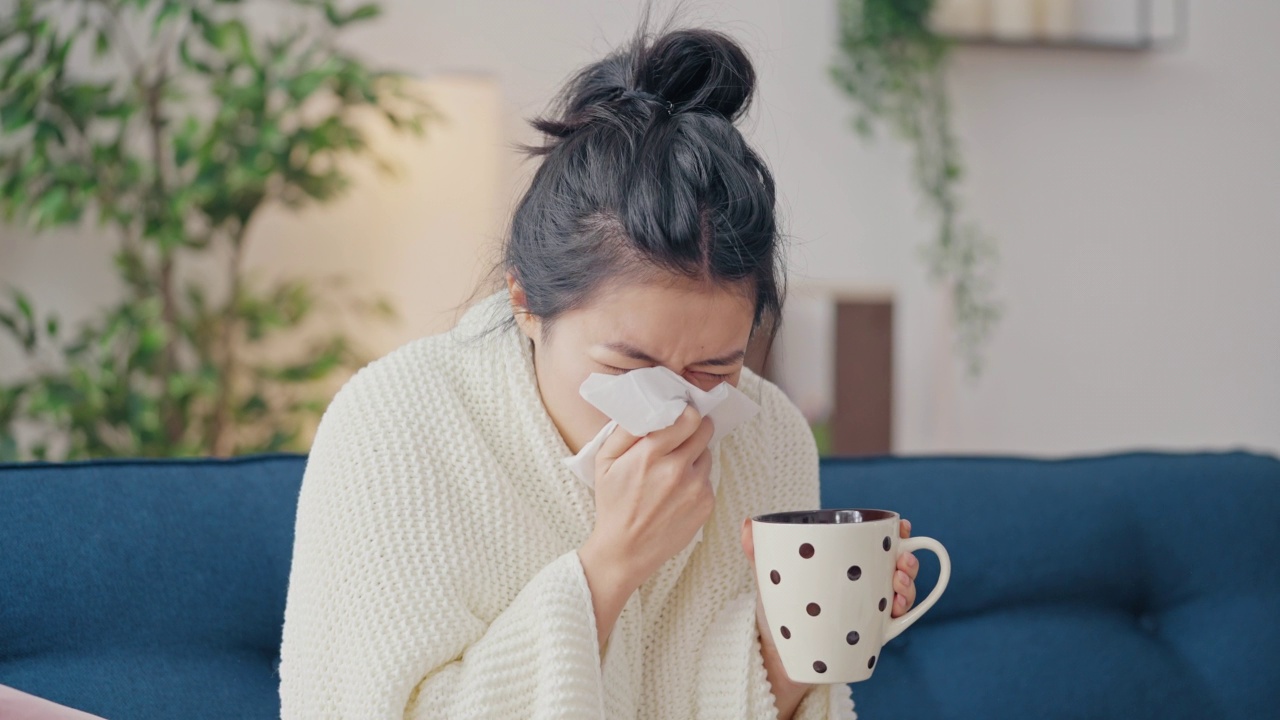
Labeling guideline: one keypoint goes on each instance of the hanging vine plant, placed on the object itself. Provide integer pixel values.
(893, 68)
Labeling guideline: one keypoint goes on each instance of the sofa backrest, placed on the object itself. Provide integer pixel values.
(1132, 586)
(147, 589)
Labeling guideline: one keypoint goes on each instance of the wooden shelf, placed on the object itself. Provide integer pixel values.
(1157, 25)
(1142, 45)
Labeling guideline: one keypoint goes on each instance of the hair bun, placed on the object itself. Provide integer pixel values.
(693, 70)
(696, 70)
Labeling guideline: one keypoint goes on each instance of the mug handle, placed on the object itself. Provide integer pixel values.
(897, 625)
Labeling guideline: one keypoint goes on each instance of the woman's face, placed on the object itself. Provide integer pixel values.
(696, 329)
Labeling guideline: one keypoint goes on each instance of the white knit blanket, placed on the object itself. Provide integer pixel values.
(435, 572)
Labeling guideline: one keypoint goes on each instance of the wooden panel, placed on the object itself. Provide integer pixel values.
(759, 354)
(862, 418)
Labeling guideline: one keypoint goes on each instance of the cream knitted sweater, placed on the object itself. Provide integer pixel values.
(435, 568)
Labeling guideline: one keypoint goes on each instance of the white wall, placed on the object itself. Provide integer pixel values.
(1136, 197)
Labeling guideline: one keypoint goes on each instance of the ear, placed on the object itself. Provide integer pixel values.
(528, 323)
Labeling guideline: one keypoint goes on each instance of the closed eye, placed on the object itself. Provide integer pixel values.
(710, 376)
(713, 376)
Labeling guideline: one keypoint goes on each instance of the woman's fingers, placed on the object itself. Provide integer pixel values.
(904, 577)
(908, 564)
(662, 442)
(904, 584)
(697, 443)
(673, 436)
(689, 434)
(618, 442)
(904, 593)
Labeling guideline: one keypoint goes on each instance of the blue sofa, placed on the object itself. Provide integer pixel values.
(1131, 586)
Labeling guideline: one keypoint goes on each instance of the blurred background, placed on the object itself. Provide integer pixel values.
(1040, 227)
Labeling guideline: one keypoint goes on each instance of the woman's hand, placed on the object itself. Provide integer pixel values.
(652, 495)
(787, 692)
(904, 578)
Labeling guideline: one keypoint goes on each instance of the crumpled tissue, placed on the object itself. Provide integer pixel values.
(649, 399)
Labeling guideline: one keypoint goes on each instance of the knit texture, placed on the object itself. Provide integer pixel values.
(435, 569)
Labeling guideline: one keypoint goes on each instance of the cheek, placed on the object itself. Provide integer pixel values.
(563, 371)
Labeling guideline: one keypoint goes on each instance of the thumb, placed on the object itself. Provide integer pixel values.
(748, 542)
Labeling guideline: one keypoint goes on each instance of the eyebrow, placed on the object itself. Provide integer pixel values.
(636, 354)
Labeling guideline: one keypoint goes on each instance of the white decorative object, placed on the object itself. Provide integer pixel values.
(1057, 19)
(1109, 21)
(961, 18)
(1013, 19)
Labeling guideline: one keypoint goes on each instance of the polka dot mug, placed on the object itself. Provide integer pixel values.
(826, 582)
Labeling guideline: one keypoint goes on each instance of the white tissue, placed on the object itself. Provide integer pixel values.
(649, 399)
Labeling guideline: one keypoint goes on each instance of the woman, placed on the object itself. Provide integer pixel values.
(449, 565)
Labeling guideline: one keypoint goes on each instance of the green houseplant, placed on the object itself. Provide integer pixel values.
(170, 125)
(891, 65)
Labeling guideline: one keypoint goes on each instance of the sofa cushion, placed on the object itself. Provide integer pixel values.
(1134, 586)
(1139, 585)
(147, 589)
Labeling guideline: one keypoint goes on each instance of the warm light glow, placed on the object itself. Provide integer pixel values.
(421, 237)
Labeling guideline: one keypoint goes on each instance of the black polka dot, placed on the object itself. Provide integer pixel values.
(883, 602)
(872, 662)
(786, 633)
(775, 577)
(855, 572)
(806, 551)
(814, 609)
(853, 637)
(885, 544)
(819, 666)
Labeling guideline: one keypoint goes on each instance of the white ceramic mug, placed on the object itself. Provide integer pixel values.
(826, 581)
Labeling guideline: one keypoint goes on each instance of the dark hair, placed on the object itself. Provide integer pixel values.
(643, 169)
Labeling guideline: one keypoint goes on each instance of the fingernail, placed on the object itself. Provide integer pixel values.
(903, 579)
(911, 560)
(900, 601)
